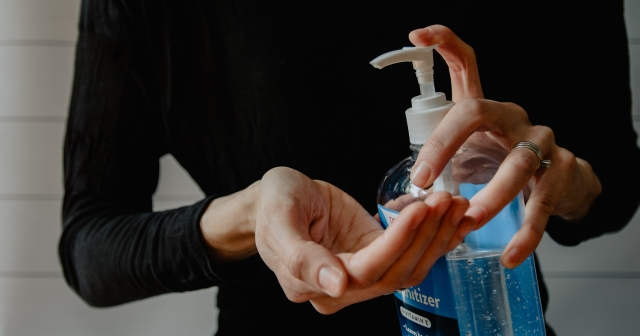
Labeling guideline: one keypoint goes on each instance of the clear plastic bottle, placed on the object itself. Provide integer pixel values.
(491, 299)
(469, 292)
(429, 308)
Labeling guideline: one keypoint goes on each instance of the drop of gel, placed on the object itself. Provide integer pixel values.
(479, 270)
(468, 333)
(470, 262)
(495, 291)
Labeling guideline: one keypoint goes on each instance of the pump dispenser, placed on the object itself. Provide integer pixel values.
(429, 108)
(429, 308)
(468, 292)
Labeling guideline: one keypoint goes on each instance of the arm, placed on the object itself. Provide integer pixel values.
(113, 248)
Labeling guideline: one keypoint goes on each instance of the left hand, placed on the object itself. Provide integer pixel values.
(566, 189)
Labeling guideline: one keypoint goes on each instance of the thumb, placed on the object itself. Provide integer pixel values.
(316, 266)
(292, 209)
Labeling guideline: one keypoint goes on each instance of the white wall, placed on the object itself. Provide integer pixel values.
(595, 288)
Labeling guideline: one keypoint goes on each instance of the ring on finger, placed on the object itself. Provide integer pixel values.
(533, 147)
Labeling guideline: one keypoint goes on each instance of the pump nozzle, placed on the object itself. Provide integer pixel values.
(422, 59)
(427, 109)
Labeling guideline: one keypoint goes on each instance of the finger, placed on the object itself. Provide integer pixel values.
(466, 225)
(396, 276)
(469, 116)
(295, 289)
(313, 264)
(329, 305)
(460, 58)
(539, 208)
(399, 274)
(512, 176)
(369, 264)
(437, 246)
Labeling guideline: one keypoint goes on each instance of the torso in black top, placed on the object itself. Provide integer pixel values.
(234, 88)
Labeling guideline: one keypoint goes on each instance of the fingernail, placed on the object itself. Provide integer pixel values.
(511, 257)
(420, 174)
(330, 279)
(476, 213)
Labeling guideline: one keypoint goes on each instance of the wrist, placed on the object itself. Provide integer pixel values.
(228, 225)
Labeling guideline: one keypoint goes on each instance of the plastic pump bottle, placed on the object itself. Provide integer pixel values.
(468, 292)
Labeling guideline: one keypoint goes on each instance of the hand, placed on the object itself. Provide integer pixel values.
(324, 247)
(566, 189)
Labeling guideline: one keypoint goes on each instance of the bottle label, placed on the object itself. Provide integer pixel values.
(429, 308)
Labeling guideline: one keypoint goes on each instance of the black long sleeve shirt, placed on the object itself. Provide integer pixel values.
(234, 88)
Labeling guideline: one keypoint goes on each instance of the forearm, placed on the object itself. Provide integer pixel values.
(113, 256)
(228, 226)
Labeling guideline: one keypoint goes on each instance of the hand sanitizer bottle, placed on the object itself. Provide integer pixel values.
(469, 292)
(491, 299)
(429, 308)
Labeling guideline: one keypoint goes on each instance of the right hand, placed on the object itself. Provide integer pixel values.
(325, 248)
(566, 189)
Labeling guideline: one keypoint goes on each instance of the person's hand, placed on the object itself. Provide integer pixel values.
(566, 189)
(325, 248)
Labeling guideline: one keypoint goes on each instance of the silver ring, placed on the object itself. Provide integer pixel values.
(530, 145)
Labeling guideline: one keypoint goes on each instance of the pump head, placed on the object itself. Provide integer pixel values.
(422, 59)
(430, 107)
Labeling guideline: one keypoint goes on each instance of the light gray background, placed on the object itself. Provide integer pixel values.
(595, 287)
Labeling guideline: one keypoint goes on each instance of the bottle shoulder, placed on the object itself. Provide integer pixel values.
(396, 190)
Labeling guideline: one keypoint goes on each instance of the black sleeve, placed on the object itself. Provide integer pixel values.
(598, 128)
(113, 248)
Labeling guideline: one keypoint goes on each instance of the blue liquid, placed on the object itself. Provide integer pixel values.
(492, 300)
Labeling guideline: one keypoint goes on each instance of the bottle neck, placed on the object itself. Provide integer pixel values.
(415, 150)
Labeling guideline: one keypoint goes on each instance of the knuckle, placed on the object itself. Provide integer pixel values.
(545, 131)
(546, 203)
(326, 309)
(567, 158)
(295, 296)
(415, 280)
(434, 144)
(470, 51)
(398, 283)
(394, 283)
(441, 30)
(474, 107)
(367, 281)
(525, 161)
(295, 262)
(538, 233)
(518, 112)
